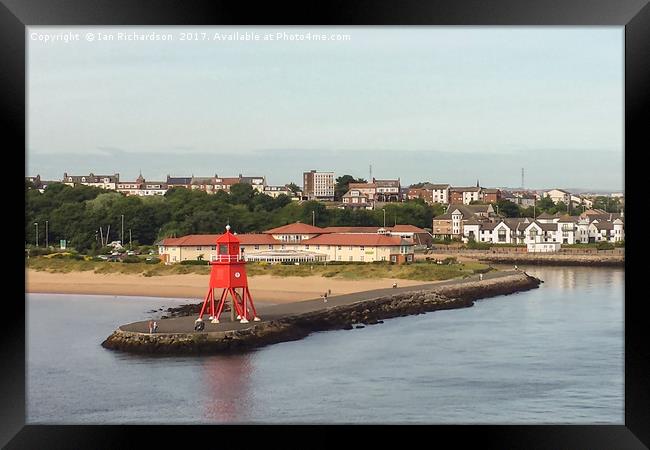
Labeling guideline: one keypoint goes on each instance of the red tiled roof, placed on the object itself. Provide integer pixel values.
(406, 229)
(350, 230)
(396, 228)
(296, 228)
(211, 239)
(370, 240)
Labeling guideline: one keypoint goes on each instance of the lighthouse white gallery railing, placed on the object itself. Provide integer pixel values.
(227, 258)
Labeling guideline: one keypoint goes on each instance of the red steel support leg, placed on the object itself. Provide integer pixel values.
(250, 300)
(205, 303)
(245, 315)
(211, 303)
(243, 304)
(222, 301)
(235, 303)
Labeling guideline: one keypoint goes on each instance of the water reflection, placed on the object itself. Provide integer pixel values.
(227, 382)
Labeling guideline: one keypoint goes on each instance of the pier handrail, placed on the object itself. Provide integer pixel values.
(227, 258)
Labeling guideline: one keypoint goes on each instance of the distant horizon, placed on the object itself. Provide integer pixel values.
(439, 104)
(130, 175)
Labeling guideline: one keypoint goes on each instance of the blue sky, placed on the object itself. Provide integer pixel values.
(444, 104)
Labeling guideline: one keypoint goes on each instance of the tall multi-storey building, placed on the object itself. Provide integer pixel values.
(318, 185)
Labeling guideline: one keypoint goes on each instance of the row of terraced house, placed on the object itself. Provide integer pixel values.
(543, 233)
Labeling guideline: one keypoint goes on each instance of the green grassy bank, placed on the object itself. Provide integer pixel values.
(421, 271)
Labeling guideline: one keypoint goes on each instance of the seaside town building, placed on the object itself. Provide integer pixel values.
(490, 195)
(355, 198)
(464, 195)
(299, 242)
(558, 195)
(318, 185)
(100, 181)
(141, 187)
(367, 195)
(546, 232)
(387, 190)
(184, 182)
(276, 191)
(40, 184)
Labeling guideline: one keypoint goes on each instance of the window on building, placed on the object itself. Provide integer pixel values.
(350, 258)
(338, 258)
(257, 247)
(198, 247)
(361, 258)
(362, 248)
(339, 247)
(270, 247)
(223, 249)
(214, 247)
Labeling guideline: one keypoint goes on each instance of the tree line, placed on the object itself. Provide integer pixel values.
(77, 213)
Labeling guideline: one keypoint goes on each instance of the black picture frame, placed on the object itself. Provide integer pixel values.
(634, 15)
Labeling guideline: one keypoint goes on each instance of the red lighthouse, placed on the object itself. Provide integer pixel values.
(228, 272)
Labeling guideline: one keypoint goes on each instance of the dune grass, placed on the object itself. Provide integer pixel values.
(420, 271)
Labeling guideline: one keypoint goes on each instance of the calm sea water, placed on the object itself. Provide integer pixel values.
(551, 355)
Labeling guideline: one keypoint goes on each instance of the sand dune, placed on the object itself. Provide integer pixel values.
(264, 288)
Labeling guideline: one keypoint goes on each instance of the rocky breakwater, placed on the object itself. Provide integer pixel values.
(294, 327)
(557, 259)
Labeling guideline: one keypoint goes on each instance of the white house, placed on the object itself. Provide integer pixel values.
(558, 195)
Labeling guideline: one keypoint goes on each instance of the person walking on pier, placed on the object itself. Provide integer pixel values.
(150, 326)
(155, 326)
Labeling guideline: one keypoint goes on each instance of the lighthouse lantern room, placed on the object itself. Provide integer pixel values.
(228, 273)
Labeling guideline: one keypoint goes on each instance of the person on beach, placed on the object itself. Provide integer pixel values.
(516, 267)
(155, 326)
(480, 277)
(150, 326)
(394, 285)
(325, 297)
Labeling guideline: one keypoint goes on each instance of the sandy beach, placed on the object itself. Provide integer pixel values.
(263, 288)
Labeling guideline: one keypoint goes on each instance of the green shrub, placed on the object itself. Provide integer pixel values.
(38, 251)
(619, 244)
(450, 260)
(153, 261)
(473, 245)
(193, 262)
(605, 246)
(131, 259)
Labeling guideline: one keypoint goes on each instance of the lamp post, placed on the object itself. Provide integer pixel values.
(313, 218)
(47, 242)
(36, 224)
